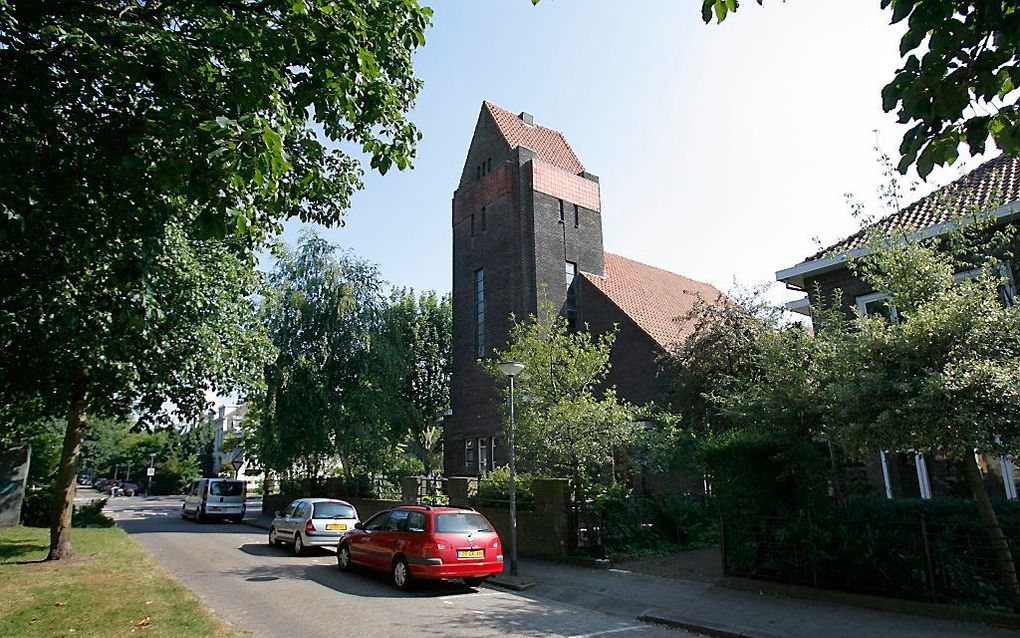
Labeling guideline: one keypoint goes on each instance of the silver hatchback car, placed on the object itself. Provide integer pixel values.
(312, 522)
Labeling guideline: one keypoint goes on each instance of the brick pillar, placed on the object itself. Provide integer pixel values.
(552, 507)
(409, 488)
(461, 489)
(334, 487)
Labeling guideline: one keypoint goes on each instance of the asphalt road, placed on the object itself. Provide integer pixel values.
(270, 592)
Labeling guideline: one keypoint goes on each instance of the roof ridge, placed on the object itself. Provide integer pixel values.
(660, 269)
(926, 211)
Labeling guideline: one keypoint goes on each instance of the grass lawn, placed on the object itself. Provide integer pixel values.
(110, 588)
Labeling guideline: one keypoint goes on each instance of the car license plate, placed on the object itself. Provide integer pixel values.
(470, 553)
(338, 526)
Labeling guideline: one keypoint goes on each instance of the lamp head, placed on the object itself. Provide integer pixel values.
(511, 368)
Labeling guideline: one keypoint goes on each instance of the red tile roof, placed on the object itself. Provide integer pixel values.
(991, 184)
(652, 297)
(550, 145)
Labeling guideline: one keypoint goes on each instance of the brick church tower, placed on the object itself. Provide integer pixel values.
(527, 222)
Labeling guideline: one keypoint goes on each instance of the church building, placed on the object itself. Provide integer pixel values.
(527, 222)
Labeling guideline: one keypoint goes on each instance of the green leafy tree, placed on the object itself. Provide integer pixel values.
(419, 330)
(149, 149)
(739, 339)
(329, 391)
(567, 420)
(941, 379)
(959, 79)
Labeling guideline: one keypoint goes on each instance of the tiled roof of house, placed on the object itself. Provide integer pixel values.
(991, 184)
(550, 145)
(652, 297)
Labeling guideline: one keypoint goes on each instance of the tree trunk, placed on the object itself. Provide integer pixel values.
(63, 488)
(1003, 556)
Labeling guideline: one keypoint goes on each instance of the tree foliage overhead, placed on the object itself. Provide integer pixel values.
(233, 110)
(958, 81)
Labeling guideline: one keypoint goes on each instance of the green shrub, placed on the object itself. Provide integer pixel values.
(654, 525)
(494, 488)
(878, 546)
(36, 508)
(91, 515)
(38, 505)
(765, 473)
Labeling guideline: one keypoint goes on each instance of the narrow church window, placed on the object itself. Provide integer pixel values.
(481, 220)
(577, 216)
(478, 172)
(561, 211)
(488, 165)
(472, 225)
(570, 308)
(480, 312)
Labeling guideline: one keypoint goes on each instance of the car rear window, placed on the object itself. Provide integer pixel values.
(226, 488)
(334, 510)
(461, 523)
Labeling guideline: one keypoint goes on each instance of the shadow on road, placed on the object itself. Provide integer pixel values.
(360, 582)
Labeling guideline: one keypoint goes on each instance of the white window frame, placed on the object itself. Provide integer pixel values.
(1005, 272)
(863, 301)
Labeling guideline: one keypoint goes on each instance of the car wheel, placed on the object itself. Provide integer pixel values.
(273, 540)
(401, 575)
(199, 516)
(299, 545)
(343, 558)
(473, 582)
(184, 512)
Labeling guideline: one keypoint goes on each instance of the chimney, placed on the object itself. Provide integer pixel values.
(527, 118)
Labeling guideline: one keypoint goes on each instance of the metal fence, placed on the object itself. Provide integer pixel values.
(936, 561)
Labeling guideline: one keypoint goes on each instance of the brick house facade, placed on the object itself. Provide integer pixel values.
(527, 224)
(993, 187)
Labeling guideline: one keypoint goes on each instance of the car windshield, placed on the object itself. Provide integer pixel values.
(460, 523)
(334, 510)
(226, 488)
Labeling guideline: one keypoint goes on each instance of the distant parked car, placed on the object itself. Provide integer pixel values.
(84, 480)
(130, 489)
(422, 542)
(101, 484)
(214, 498)
(312, 522)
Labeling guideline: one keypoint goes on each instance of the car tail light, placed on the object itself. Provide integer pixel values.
(309, 527)
(432, 549)
(495, 544)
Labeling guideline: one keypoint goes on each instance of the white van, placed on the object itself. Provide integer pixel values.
(215, 498)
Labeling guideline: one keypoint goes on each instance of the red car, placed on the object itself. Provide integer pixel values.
(422, 542)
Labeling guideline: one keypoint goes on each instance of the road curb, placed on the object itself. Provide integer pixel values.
(516, 583)
(678, 621)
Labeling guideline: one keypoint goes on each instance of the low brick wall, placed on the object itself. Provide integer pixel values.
(543, 532)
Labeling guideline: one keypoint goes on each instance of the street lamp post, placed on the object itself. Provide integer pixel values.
(512, 369)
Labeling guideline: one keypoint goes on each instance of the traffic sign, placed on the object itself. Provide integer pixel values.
(151, 471)
(237, 463)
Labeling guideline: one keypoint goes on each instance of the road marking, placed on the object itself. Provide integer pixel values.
(616, 570)
(609, 631)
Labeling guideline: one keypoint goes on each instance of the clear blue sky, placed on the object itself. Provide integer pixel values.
(722, 150)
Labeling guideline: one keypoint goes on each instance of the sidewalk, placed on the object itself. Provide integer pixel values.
(718, 611)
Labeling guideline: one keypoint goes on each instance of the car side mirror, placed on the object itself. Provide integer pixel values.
(359, 525)
(277, 513)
